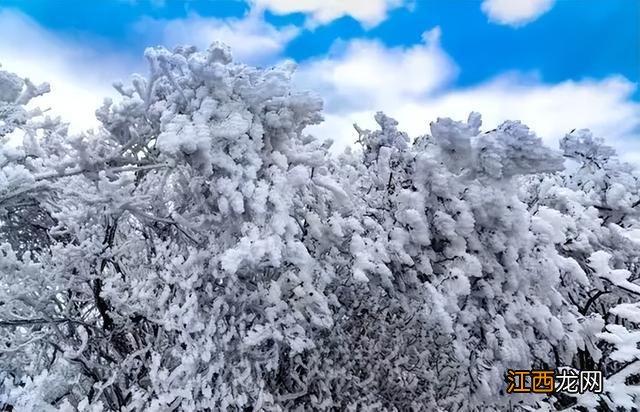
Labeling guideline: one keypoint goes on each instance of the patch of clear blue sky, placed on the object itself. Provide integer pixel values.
(577, 39)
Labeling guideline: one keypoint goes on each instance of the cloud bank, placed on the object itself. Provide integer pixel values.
(356, 79)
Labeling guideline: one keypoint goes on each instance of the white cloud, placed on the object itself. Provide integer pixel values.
(368, 12)
(80, 76)
(368, 77)
(515, 12)
(364, 73)
(252, 39)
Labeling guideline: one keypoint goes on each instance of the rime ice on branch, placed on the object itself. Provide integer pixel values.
(200, 251)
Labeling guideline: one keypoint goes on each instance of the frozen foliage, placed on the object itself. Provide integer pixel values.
(201, 252)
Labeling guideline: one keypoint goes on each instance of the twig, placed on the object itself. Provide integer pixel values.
(121, 169)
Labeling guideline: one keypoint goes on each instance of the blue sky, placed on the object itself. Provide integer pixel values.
(554, 64)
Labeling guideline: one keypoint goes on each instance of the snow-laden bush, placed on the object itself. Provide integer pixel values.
(201, 252)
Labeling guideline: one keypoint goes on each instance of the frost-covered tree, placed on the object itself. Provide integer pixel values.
(593, 206)
(454, 236)
(177, 276)
(200, 251)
